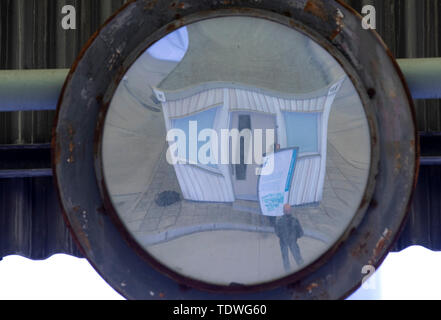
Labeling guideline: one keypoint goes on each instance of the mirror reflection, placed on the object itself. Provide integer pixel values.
(236, 150)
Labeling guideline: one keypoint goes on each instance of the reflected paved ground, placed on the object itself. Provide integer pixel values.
(152, 224)
(224, 257)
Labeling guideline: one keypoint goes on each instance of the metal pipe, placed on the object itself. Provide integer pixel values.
(423, 77)
(25, 90)
(430, 161)
(25, 173)
(25, 161)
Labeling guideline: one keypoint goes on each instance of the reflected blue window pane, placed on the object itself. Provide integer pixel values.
(302, 131)
(204, 120)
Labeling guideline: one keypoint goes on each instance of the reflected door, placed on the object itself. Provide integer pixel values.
(244, 176)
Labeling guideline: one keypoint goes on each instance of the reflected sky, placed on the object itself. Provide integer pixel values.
(172, 47)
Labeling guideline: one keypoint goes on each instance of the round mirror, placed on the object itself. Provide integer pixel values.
(236, 151)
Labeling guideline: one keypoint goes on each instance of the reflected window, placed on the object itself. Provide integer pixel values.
(199, 123)
(302, 131)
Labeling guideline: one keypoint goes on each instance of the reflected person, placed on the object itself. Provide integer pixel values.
(289, 230)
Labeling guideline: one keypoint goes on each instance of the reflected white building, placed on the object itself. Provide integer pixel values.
(299, 120)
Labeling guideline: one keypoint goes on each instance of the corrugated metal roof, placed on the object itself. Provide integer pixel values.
(31, 38)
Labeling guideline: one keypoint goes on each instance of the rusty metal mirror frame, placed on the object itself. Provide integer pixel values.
(89, 89)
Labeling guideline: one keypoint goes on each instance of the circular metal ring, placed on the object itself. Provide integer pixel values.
(90, 87)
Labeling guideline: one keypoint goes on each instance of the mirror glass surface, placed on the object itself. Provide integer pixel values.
(236, 150)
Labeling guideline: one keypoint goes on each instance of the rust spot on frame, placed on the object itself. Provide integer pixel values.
(359, 250)
(71, 147)
(182, 5)
(312, 286)
(316, 8)
(70, 131)
(71, 159)
(71, 134)
(57, 153)
(79, 232)
(83, 238)
(171, 27)
(381, 244)
(150, 5)
(340, 24)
